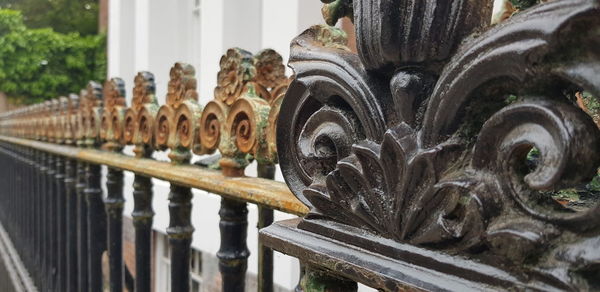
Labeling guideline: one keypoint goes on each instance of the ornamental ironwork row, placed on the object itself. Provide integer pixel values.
(240, 122)
(412, 139)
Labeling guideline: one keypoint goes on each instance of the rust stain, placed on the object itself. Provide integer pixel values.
(272, 194)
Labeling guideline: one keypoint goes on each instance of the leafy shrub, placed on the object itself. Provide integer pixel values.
(39, 64)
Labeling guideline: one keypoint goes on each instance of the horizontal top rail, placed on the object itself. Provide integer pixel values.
(269, 193)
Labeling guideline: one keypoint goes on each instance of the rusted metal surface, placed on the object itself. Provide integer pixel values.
(139, 122)
(176, 125)
(91, 112)
(240, 123)
(113, 119)
(272, 194)
(237, 123)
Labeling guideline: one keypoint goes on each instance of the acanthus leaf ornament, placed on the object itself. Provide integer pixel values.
(72, 119)
(412, 139)
(176, 125)
(113, 116)
(90, 111)
(62, 124)
(140, 118)
(236, 70)
(242, 117)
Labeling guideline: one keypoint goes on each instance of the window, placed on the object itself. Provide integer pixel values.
(163, 266)
(195, 271)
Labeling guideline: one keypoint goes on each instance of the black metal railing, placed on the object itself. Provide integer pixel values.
(436, 157)
(54, 152)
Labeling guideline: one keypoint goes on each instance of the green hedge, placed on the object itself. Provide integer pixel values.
(39, 64)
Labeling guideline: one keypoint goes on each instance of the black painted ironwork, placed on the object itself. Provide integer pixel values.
(265, 218)
(142, 219)
(114, 208)
(51, 223)
(82, 228)
(96, 226)
(72, 272)
(61, 222)
(180, 236)
(414, 154)
(233, 252)
(139, 130)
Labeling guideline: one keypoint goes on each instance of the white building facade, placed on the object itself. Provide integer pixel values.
(151, 35)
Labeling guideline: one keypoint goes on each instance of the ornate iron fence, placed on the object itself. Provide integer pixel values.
(412, 154)
(53, 153)
(409, 159)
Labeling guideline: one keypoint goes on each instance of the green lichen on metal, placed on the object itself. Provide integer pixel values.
(479, 111)
(578, 197)
(332, 37)
(592, 106)
(592, 103)
(320, 281)
(511, 98)
(262, 153)
(336, 9)
(524, 4)
(594, 185)
(180, 155)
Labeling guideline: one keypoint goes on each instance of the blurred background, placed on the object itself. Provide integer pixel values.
(50, 48)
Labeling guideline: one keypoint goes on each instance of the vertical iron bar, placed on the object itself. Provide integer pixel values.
(60, 204)
(37, 174)
(180, 236)
(51, 222)
(142, 219)
(71, 217)
(82, 244)
(96, 228)
(233, 252)
(114, 209)
(265, 254)
(30, 204)
(43, 197)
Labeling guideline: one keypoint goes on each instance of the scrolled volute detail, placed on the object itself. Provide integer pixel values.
(61, 120)
(212, 125)
(113, 115)
(54, 121)
(332, 88)
(176, 121)
(142, 114)
(71, 119)
(247, 124)
(414, 139)
(91, 113)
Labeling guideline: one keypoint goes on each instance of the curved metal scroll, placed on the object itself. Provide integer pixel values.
(412, 138)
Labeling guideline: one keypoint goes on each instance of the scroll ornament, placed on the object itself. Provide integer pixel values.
(90, 111)
(241, 119)
(140, 117)
(113, 115)
(176, 122)
(413, 140)
(71, 119)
